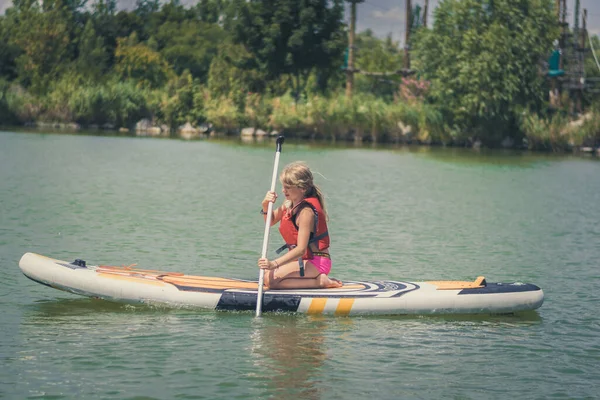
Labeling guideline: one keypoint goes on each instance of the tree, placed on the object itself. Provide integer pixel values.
(9, 51)
(138, 62)
(482, 58)
(227, 79)
(210, 11)
(93, 57)
(44, 39)
(107, 7)
(291, 37)
(376, 55)
(153, 18)
(190, 45)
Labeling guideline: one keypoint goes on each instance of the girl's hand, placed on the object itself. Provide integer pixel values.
(270, 197)
(264, 263)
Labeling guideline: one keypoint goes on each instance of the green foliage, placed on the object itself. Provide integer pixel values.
(108, 7)
(227, 77)
(375, 55)
(93, 56)
(222, 112)
(287, 114)
(210, 11)
(317, 114)
(152, 16)
(275, 64)
(190, 45)
(482, 60)
(121, 104)
(365, 117)
(72, 98)
(339, 122)
(291, 37)
(180, 101)
(8, 96)
(9, 51)
(43, 37)
(20, 105)
(544, 133)
(138, 62)
(257, 110)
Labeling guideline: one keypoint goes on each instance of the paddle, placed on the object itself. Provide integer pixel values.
(261, 276)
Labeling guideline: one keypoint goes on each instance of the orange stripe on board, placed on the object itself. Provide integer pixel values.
(108, 268)
(352, 286)
(344, 307)
(317, 305)
(210, 284)
(132, 279)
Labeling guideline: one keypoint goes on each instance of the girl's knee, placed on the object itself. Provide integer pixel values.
(269, 279)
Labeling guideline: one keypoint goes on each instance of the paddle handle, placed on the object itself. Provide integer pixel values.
(261, 275)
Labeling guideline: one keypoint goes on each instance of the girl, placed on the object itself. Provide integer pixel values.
(304, 228)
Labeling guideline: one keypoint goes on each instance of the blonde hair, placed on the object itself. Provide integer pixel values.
(298, 174)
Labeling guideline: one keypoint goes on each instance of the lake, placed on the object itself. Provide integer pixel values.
(395, 213)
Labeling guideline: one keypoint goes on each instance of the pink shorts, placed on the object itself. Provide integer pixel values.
(323, 264)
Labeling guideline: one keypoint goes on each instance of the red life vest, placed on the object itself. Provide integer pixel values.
(289, 229)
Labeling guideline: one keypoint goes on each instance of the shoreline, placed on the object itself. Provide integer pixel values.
(350, 142)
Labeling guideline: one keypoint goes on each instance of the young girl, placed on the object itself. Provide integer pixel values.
(304, 228)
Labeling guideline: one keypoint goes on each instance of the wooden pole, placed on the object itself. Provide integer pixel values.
(582, 38)
(584, 31)
(563, 21)
(425, 10)
(407, 36)
(350, 66)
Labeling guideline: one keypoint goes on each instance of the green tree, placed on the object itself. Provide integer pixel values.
(106, 26)
(153, 18)
(180, 101)
(138, 62)
(376, 55)
(43, 36)
(93, 57)
(190, 45)
(210, 11)
(291, 37)
(482, 58)
(9, 51)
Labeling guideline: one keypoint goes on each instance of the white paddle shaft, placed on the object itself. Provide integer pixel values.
(261, 275)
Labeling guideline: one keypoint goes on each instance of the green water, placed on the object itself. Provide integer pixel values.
(394, 214)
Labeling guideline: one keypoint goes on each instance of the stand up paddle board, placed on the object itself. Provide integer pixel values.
(132, 285)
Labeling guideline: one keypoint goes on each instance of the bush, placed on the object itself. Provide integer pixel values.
(544, 133)
(21, 106)
(10, 101)
(222, 113)
(121, 104)
(180, 101)
(287, 114)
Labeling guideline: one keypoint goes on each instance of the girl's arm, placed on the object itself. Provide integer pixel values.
(277, 212)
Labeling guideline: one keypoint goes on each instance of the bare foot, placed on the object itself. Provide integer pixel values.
(326, 282)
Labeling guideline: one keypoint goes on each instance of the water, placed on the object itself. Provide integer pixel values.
(395, 214)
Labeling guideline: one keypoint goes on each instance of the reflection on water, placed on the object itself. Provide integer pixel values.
(518, 319)
(431, 214)
(490, 157)
(291, 350)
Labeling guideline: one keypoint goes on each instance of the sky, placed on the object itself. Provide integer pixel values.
(386, 17)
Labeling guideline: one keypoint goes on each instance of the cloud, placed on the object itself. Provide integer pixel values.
(393, 14)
